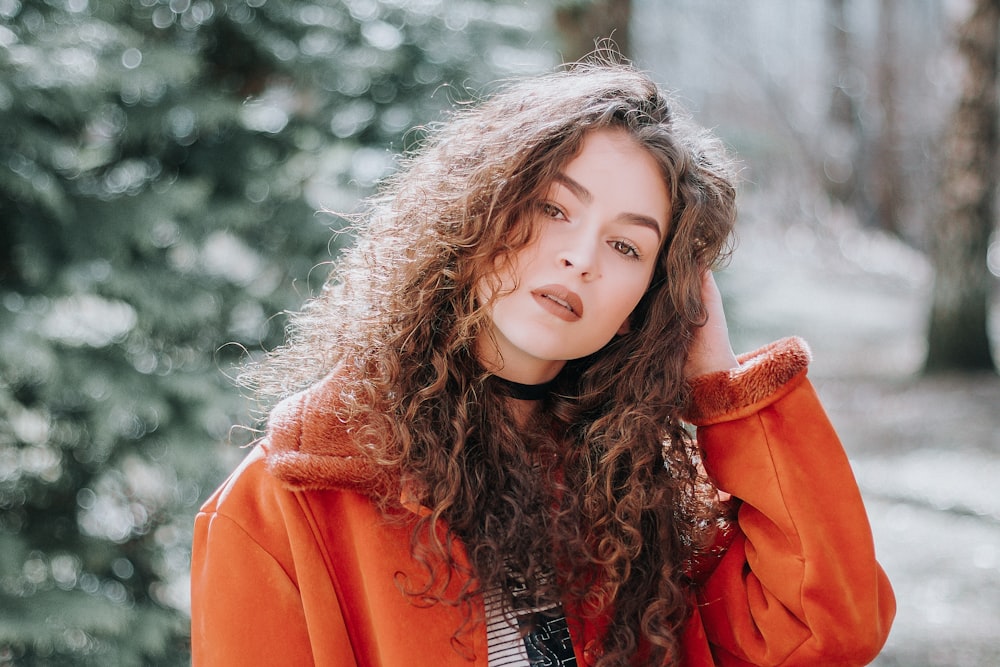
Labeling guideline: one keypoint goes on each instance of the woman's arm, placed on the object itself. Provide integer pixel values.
(799, 585)
(246, 605)
(245, 610)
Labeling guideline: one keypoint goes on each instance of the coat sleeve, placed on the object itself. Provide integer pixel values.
(246, 605)
(799, 585)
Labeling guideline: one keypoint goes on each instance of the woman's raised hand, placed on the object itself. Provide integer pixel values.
(711, 349)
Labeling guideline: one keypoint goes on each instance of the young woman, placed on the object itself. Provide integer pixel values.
(490, 459)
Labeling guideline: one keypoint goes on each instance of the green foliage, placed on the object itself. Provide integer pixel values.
(161, 165)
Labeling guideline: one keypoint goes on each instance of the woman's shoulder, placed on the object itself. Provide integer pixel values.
(248, 492)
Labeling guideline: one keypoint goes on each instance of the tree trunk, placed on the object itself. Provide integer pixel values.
(842, 166)
(583, 24)
(958, 338)
(888, 180)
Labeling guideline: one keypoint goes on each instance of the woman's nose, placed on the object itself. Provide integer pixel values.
(579, 255)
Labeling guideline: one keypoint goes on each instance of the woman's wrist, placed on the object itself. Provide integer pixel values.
(716, 364)
(712, 351)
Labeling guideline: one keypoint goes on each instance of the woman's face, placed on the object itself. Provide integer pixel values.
(597, 235)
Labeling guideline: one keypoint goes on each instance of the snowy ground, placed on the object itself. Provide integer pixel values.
(926, 450)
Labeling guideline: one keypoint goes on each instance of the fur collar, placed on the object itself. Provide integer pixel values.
(310, 447)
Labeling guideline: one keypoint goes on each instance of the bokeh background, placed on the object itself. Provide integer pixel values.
(166, 165)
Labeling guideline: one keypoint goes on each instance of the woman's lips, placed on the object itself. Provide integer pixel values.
(560, 301)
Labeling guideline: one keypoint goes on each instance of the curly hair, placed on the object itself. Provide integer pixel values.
(599, 502)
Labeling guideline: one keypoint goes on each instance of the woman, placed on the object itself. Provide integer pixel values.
(491, 459)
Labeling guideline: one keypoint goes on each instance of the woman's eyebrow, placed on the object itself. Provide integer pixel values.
(580, 192)
(584, 195)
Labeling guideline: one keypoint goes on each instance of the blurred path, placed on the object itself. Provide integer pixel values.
(926, 451)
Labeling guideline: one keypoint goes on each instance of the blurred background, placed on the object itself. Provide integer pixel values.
(164, 165)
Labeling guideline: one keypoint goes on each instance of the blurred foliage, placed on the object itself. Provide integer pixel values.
(161, 165)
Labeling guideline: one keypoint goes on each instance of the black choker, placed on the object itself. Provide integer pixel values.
(524, 392)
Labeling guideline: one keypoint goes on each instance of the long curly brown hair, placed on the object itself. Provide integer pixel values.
(599, 501)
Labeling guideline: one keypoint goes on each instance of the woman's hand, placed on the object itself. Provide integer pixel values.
(711, 350)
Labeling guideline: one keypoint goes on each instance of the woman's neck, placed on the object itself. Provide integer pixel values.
(518, 368)
(522, 400)
(522, 391)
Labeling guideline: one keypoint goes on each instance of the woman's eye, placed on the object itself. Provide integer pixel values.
(625, 248)
(551, 210)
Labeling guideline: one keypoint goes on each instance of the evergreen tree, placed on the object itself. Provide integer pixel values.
(161, 165)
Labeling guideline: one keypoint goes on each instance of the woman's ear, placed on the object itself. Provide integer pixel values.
(625, 327)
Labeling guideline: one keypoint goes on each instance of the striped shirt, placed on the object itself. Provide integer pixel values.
(521, 636)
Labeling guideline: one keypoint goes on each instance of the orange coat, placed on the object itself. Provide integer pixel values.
(294, 565)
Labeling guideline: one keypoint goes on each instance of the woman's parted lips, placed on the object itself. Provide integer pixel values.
(561, 296)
